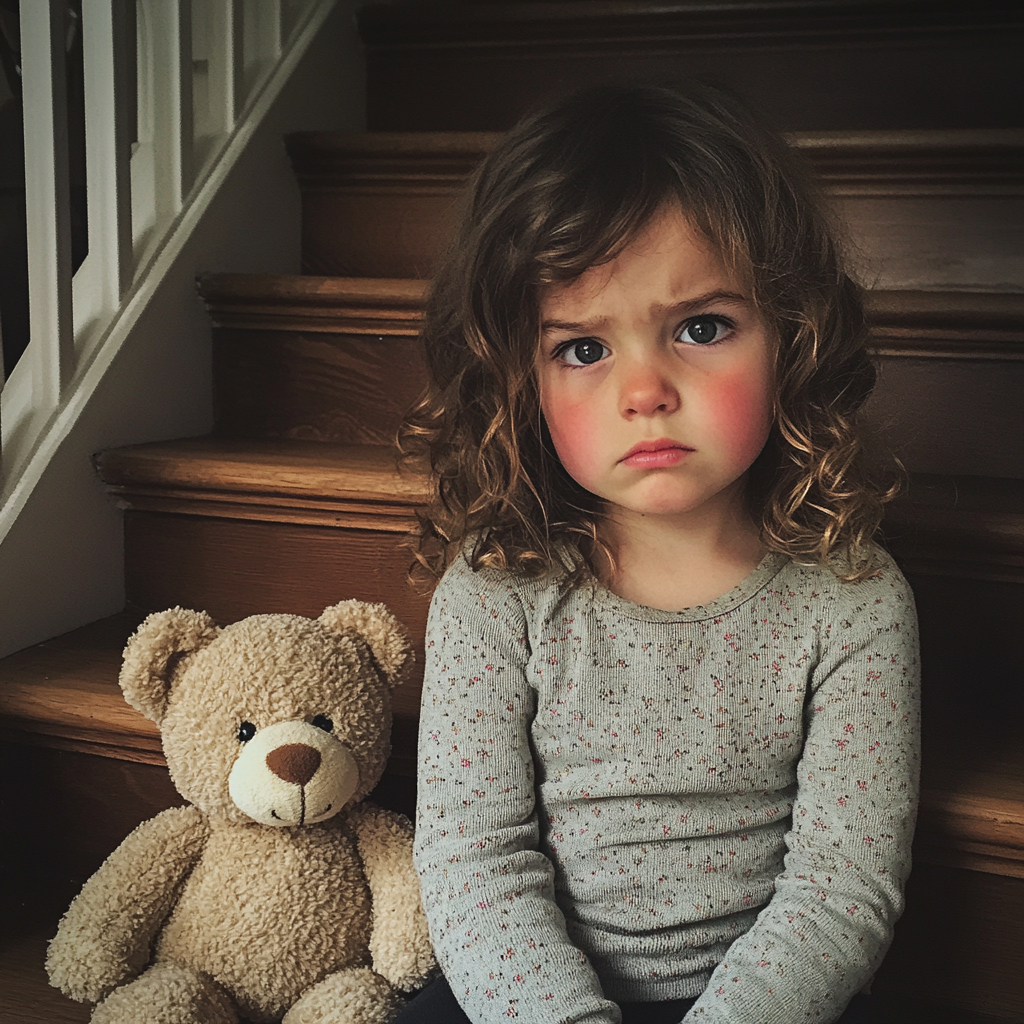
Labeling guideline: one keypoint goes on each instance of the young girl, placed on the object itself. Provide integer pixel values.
(669, 735)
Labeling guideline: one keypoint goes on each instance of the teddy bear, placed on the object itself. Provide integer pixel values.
(276, 892)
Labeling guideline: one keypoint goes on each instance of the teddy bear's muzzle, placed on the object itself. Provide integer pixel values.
(292, 773)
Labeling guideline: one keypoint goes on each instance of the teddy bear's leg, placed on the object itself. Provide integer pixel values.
(354, 996)
(167, 993)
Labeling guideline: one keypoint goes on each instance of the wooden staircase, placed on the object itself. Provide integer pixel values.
(296, 500)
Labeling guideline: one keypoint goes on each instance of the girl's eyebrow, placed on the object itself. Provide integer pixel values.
(574, 328)
(584, 326)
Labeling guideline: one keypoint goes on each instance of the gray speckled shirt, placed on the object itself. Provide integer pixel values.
(622, 803)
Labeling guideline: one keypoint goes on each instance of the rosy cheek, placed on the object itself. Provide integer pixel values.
(573, 428)
(741, 406)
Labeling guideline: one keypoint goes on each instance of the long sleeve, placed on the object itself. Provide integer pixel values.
(487, 890)
(830, 921)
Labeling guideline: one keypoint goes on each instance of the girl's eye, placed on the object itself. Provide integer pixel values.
(582, 353)
(323, 722)
(703, 330)
(246, 731)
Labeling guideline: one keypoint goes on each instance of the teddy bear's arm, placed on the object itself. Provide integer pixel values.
(400, 945)
(105, 936)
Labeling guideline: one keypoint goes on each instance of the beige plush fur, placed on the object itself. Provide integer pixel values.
(277, 894)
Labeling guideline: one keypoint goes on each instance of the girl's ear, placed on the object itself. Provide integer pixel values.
(378, 628)
(154, 653)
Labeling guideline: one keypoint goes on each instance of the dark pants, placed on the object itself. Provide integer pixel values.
(436, 1005)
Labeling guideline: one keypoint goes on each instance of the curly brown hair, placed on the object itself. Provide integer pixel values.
(566, 190)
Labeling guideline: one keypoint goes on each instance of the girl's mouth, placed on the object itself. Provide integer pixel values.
(656, 454)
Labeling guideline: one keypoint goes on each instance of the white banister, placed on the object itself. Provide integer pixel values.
(225, 65)
(261, 43)
(47, 202)
(153, 161)
(170, 134)
(108, 147)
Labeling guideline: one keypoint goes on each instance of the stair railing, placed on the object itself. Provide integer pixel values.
(168, 87)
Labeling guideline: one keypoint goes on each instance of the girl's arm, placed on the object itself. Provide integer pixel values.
(830, 922)
(487, 891)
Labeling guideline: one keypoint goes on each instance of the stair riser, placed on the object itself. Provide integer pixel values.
(939, 414)
(387, 233)
(232, 568)
(481, 66)
(314, 386)
(926, 219)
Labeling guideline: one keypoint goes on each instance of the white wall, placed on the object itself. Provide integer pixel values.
(62, 563)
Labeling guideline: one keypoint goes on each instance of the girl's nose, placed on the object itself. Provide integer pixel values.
(648, 391)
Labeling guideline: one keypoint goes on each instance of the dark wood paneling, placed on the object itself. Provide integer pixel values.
(65, 811)
(951, 416)
(804, 65)
(385, 204)
(64, 693)
(234, 568)
(314, 387)
(957, 948)
(379, 205)
(964, 527)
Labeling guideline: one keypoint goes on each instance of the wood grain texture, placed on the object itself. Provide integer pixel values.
(380, 204)
(385, 204)
(234, 568)
(353, 486)
(290, 302)
(315, 386)
(523, 25)
(66, 690)
(27, 995)
(965, 527)
(946, 325)
(942, 324)
(803, 65)
(957, 947)
(958, 526)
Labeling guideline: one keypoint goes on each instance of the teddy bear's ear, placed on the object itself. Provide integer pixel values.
(155, 651)
(379, 628)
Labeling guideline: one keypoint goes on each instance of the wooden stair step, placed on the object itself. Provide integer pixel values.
(237, 526)
(64, 694)
(353, 485)
(922, 206)
(969, 527)
(806, 65)
(337, 359)
(380, 204)
(315, 358)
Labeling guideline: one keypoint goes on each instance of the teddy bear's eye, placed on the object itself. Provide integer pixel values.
(246, 731)
(323, 722)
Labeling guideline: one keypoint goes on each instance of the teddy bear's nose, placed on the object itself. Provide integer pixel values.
(294, 762)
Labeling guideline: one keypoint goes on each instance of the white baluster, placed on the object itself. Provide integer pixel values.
(170, 56)
(47, 201)
(108, 147)
(261, 43)
(224, 52)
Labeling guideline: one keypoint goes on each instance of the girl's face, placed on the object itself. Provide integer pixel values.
(655, 375)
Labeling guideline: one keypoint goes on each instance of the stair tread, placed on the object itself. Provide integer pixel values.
(314, 290)
(273, 467)
(65, 690)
